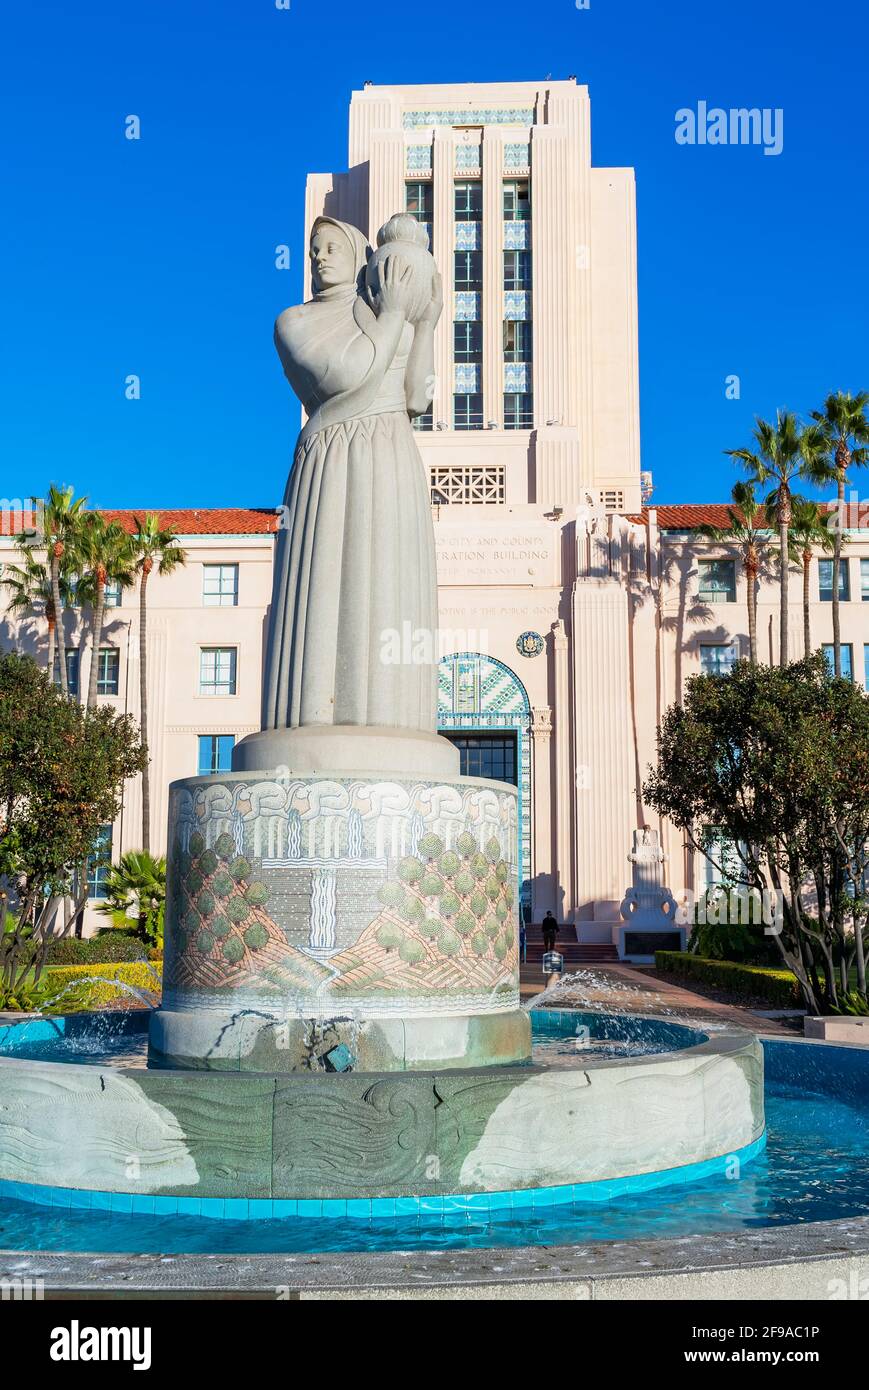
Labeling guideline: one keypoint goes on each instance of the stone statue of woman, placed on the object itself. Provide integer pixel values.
(355, 563)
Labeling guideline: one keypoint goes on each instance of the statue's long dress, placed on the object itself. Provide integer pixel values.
(355, 564)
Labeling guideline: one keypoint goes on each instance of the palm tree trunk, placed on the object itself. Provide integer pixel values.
(783, 526)
(143, 705)
(837, 565)
(51, 646)
(99, 608)
(56, 553)
(751, 585)
(807, 624)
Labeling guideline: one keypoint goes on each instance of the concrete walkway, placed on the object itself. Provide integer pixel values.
(635, 989)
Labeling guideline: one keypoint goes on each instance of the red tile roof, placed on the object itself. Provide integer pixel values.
(185, 521)
(684, 516)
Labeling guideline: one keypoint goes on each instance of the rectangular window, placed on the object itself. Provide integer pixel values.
(517, 203)
(215, 753)
(220, 586)
(468, 341)
(519, 412)
(217, 670)
(112, 593)
(517, 270)
(825, 581)
(468, 270)
(72, 669)
(108, 670)
(468, 412)
(418, 201)
(718, 658)
(517, 340)
(99, 862)
(847, 660)
(423, 422)
(487, 755)
(468, 200)
(864, 580)
(717, 581)
(727, 868)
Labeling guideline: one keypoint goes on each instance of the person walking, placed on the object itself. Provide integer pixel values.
(550, 931)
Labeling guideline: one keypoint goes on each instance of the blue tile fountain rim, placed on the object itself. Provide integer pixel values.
(373, 1208)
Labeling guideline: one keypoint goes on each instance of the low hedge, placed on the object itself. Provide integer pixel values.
(107, 948)
(95, 987)
(779, 988)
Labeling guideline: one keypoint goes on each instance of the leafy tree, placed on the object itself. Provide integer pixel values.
(62, 772)
(138, 883)
(784, 452)
(845, 426)
(153, 547)
(777, 759)
(746, 532)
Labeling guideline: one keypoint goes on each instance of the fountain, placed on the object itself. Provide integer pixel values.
(340, 1025)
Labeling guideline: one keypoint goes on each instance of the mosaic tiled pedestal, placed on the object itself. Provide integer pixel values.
(341, 923)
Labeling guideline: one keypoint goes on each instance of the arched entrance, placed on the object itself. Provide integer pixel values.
(484, 709)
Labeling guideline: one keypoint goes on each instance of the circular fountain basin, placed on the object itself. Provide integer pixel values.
(608, 1105)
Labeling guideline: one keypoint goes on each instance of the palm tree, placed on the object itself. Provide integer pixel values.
(846, 429)
(745, 531)
(785, 452)
(808, 530)
(29, 586)
(103, 552)
(137, 883)
(62, 519)
(152, 546)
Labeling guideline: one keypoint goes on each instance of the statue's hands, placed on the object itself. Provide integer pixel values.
(395, 287)
(435, 308)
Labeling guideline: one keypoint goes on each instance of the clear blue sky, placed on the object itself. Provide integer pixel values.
(156, 257)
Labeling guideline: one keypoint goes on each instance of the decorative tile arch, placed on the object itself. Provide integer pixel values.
(477, 692)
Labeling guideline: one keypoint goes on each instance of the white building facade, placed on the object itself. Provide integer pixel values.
(571, 613)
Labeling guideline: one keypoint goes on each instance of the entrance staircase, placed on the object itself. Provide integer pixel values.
(576, 953)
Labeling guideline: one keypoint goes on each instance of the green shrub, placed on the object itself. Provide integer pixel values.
(493, 850)
(412, 909)
(430, 846)
(107, 946)
(205, 941)
(411, 951)
(449, 942)
(256, 936)
(493, 927)
(257, 894)
(208, 862)
(391, 894)
(501, 947)
(479, 904)
(502, 873)
(431, 884)
(778, 988)
(233, 950)
(197, 844)
(225, 846)
(493, 888)
(219, 927)
(479, 943)
(193, 882)
(466, 923)
(96, 986)
(205, 904)
(410, 870)
(449, 904)
(502, 911)
(479, 866)
(222, 884)
(466, 844)
(429, 927)
(449, 863)
(463, 882)
(389, 936)
(240, 868)
(237, 910)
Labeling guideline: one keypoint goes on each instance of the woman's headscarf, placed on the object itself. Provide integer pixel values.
(358, 245)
